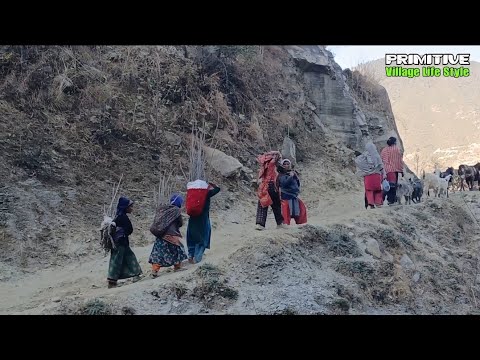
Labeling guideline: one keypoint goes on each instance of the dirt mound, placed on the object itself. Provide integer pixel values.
(370, 266)
(328, 270)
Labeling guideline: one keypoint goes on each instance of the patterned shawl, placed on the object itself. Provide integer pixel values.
(164, 217)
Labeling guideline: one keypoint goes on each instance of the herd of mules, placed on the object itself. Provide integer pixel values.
(464, 177)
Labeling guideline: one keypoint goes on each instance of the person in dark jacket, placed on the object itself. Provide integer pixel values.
(123, 262)
(289, 184)
(168, 250)
(199, 229)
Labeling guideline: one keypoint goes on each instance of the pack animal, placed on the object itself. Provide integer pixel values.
(432, 182)
(443, 185)
(469, 174)
(417, 190)
(404, 188)
(449, 171)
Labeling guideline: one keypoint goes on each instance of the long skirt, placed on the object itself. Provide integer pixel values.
(286, 213)
(199, 233)
(373, 189)
(166, 254)
(123, 264)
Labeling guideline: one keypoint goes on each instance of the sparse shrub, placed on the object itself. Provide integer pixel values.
(341, 305)
(314, 234)
(287, 311)
(434, 206)
(232, 51)
(95, 307)
(127, 310)
(405, 240)
(421, 216)
(341, 244)
(348, 294)
(387, 237)
(358, 269)
(178, 289)
(209, 271)
(229, 293)
(210, 285)
(407, 228)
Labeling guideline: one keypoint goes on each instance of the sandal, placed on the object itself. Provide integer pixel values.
(177, 267)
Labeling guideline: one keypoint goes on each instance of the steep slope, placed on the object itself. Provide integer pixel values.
(74, 119)
(420, 259)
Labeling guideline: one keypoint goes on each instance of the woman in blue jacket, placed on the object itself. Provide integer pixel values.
(289, 184)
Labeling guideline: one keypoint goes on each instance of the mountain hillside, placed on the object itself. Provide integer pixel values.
(438, 117)
(74, 119)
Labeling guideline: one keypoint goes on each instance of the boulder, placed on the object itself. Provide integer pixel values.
(373, 248)
(406, 262)
(172, 139)
(224, 164)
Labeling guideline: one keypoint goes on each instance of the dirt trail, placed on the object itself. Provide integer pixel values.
(88, 278)
(232, 230)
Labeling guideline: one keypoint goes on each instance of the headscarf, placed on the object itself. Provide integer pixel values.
(370, 161)
(372, 150)
(286, 161)
(391, 141)
(281, 167)
(123, 204)
(177, 200)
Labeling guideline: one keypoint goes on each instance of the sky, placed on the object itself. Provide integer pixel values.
(350, 56)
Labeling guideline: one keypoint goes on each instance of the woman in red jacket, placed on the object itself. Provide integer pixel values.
(268, 193)
(392, 159)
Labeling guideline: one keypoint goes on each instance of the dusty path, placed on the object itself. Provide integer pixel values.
(45, 289)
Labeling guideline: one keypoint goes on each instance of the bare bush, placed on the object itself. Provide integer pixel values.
(366, 82)
(197, 154)
(165, 188)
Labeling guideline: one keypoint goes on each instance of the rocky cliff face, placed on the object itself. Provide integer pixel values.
(335, 98)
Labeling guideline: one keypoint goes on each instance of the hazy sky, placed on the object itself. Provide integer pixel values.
(349, 56)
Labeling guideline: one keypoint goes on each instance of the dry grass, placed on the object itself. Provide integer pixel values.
(111, 209)
(368, 71)
(165, 188)
(95, 307)
(77, 116)
(211, 286)
(179, 290)
(113, 95)
(364, 80)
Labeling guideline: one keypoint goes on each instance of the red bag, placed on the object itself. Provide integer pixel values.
(197, 192)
